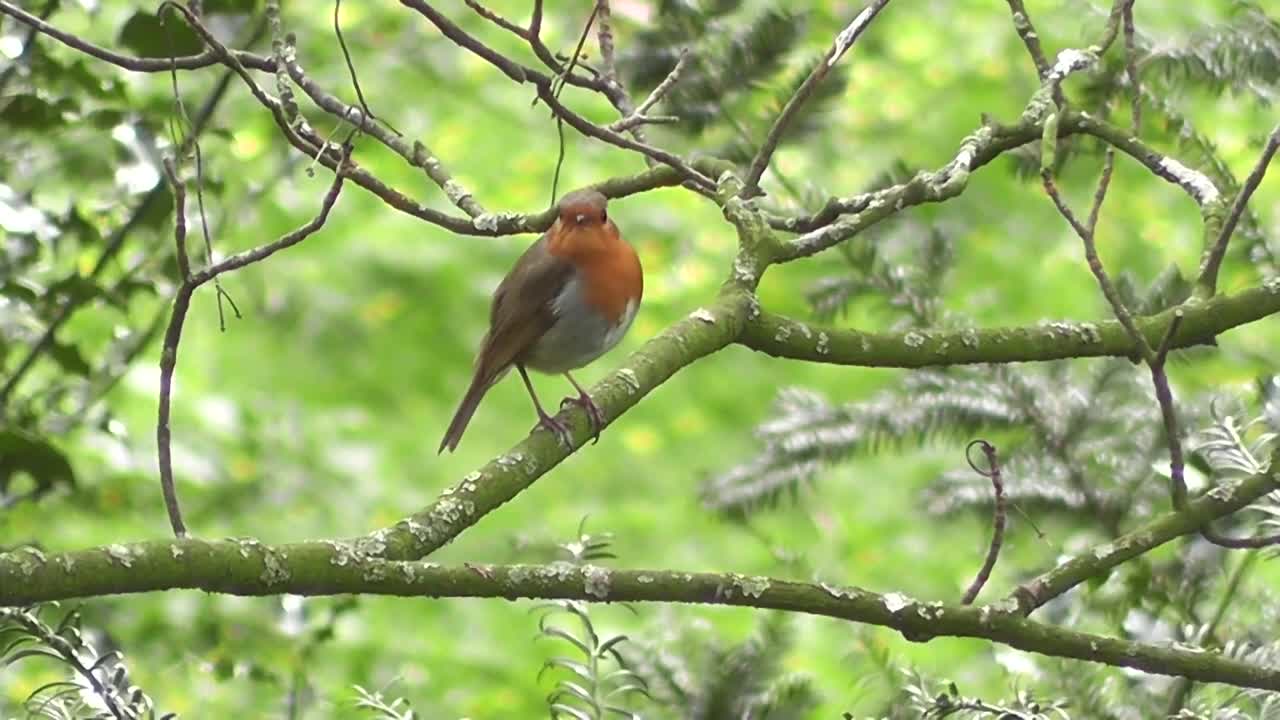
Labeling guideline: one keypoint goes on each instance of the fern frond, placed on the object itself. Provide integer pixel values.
(806, 432)
(101, 682)
(1241, 56)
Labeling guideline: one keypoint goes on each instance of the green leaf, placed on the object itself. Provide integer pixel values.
(159, 207)
(69, 358)
(148, 36)
(21, 451)
(230, 7)
(125, 290)
(32, 112)
(74, 288)
(16, 290)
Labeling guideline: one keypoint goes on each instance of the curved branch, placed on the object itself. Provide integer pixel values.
(129, 62)
(824, 228)
(784, 337)
(244, 567)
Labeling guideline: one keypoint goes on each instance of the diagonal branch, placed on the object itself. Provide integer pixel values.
(843, 42)
(1197, 514)
(182, 302)
(1027, 31)
(1208, 282)
(136, 64)
(545, 85)
(703, 332)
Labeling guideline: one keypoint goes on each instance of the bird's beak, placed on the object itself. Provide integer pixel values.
(580, 218)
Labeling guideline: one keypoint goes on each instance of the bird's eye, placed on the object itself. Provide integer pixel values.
(604, 216)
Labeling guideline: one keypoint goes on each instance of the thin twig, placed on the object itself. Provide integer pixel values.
(638, 116)
(351, 70)
(556, 88)
(844, 41)
(173, 334)
(1209, 272)
(189, 140)
(1119, 9)
(1131, 68)
(997, 517)
(28, 45)
(543, 82)
(114, 244)
(180, 219)
(128, 62)
(1030, 38)
(590, 129)
(616, 91)
(497, 19)
(1099, 272)
(533, 36)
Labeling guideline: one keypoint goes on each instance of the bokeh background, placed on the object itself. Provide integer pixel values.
(318, 413)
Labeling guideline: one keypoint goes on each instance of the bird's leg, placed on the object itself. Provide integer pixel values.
(552, 425)
(585, 402)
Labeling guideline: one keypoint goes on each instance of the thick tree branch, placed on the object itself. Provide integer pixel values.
(784, 337)
(703, 332)
(245, 567)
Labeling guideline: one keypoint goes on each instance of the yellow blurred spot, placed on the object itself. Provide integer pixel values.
(994, 69)
(350, 13)
(242, 468)
(641, 440)
(690, 421)
(246, 145)
(692, 272)
(449, 139)
(646, 327)
(383, 307)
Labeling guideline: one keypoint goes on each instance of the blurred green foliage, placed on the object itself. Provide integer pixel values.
(317, 414)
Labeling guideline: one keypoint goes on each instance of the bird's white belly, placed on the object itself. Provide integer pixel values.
(580, 334)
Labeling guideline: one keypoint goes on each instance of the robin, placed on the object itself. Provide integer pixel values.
(569, 299)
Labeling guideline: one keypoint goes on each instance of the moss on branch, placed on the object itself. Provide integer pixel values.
(246, 567)
(784, 337)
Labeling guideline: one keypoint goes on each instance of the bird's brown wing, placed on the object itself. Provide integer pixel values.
(522, 307)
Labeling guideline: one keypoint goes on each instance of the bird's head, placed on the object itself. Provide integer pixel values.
(582, 223)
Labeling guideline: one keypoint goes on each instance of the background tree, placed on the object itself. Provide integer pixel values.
(945, 179)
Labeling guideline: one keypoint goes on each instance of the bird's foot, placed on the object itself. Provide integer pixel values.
(594, 414)
(555, 427)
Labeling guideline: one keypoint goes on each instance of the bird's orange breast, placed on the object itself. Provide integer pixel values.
(607, 266)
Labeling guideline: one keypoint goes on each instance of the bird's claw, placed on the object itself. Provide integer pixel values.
(555, 427)
(596, 417)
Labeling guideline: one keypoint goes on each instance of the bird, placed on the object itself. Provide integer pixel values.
(570, 298)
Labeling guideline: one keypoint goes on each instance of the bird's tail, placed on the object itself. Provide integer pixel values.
(480, 384)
